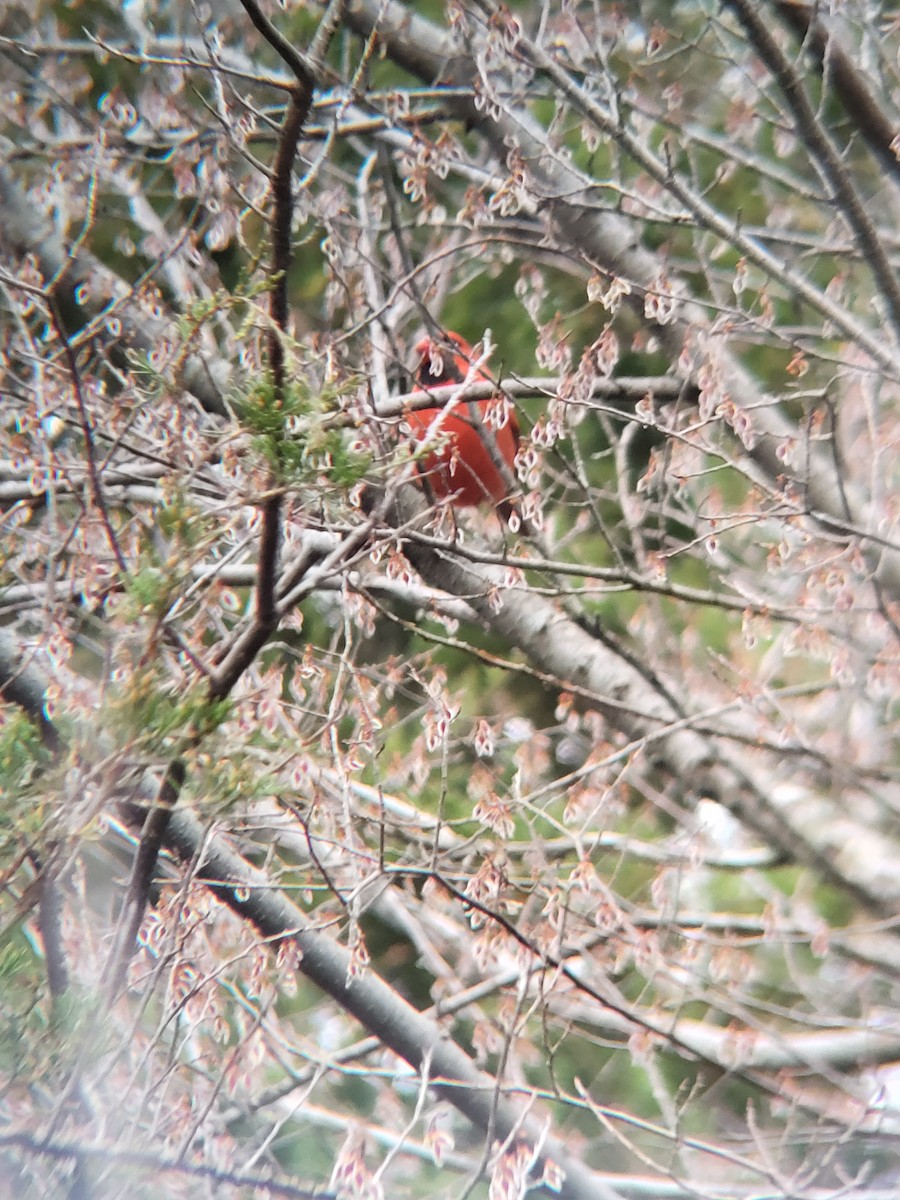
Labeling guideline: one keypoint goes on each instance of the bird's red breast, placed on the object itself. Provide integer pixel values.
(461, 467)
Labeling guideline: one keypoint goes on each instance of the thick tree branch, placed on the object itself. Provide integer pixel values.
(558, 646)
(379, 1009)
(25, 231)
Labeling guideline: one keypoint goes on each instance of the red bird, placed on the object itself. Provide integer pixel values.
(462, 467)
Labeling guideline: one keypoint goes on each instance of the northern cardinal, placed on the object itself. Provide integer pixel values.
(462, 467)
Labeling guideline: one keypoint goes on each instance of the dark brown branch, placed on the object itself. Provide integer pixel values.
(298, 108)
(836, 64)
(266, 616)
(282, 47)
(282, 213)
(821, 147)
(143, 869)
(87, 433)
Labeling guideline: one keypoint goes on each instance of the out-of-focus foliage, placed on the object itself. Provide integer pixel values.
(608, 791)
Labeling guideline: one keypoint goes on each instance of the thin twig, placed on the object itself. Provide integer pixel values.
(97, 496)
